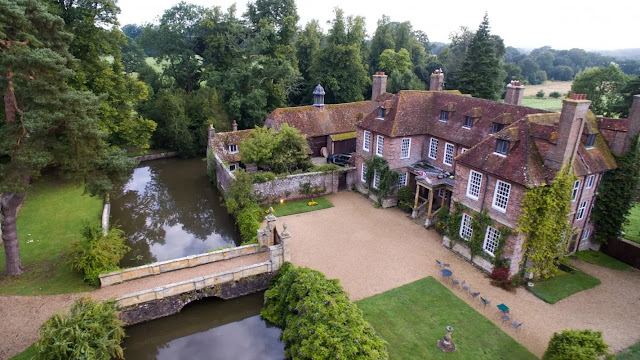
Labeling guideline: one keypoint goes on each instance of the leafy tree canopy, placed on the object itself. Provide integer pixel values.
(603, 87)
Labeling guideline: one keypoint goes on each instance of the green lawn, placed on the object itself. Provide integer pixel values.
(50, 219)
(413, 317)
(598, 258)
(28, 354)
(563, 285)
(545, 103)
(632, 353)
(300, 206)
(632, 228)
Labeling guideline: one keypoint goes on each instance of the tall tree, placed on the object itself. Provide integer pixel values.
(453, 55)
(45, 122)
(307, 50)
(603, 87)
(481, 73)
(382, 40)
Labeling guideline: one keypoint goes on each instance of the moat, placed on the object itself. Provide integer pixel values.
(169, 209)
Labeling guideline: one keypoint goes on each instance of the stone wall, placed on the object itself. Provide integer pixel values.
(289, 187)
(155, 156)
(224, 176)
(464, 251)
(123, 275)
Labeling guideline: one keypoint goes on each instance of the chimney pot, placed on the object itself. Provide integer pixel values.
(378, 87)
(235, 126)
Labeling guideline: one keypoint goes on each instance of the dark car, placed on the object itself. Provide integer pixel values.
(339, 159)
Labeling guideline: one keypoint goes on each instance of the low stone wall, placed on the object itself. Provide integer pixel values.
(170, 299)
(224, 176)
(465, 252)
(123, 275)
(163, 155)
(289, 187)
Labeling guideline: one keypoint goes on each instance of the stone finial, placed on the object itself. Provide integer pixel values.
(235, 125)
(212, 132)
(445, 344)
(285, 232)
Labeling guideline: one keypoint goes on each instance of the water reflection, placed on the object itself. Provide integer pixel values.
(208, 329)
(169, 209)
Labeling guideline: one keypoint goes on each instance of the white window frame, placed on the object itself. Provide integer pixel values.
(471, 185)
(464, 122)
(233, 167)
(586, 233)
(582, 210)
(376, 179)
(449, 150)
(575, 190)
(590, 181)
(433, 148)
(366, 141)
(497, 196)
(491, 237)
(363, 174)
(402, 180)
(466, 231)
(463, 150)
(233, 149)
(379, 145)
(440, 192)
(406, 148)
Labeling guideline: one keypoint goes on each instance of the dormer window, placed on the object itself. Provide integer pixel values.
(444, 115)
(591, 139)
(502, 147)
(381, 112)
(496, 127)
(468, 122)
(233, 149)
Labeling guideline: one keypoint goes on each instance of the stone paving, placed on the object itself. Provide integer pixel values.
(373, 250)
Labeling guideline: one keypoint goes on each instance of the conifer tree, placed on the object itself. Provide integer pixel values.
(482, 73)
(44, 122)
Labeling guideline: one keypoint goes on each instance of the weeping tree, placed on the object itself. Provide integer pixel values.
(44, 123)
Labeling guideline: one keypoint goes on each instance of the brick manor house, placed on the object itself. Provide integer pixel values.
(451, 147)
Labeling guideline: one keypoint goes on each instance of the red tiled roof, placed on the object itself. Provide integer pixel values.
(318, 121)
(613, 124)
(221, 142)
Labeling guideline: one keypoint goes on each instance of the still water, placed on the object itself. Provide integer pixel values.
(208, 329)
(169, 209)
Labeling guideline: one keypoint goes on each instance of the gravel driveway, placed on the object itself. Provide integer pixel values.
(373, 250)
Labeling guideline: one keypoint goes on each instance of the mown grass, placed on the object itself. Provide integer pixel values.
(50, 219)
(631, 353)
(412, 318)
(563, 285)
(546, 103)
(599, 258)
(300, 206)
(28, 354)
(632, 227)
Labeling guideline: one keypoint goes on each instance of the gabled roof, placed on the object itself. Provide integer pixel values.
(412, 112)
(222, 141)
(318, 121)
(531, 138)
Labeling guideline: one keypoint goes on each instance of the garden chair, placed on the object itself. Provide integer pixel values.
(516, 325)
(465, 287)
(455, 282)
(505, 317)
(485, 302)
(474, 294)
(441, 264)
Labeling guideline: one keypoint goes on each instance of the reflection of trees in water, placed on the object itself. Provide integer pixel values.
(178, 194)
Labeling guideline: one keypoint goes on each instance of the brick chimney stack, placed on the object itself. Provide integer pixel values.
(379, 87)
(235, 126)
(572, 117)
(436, 83)
(634, 122)
(515, 91)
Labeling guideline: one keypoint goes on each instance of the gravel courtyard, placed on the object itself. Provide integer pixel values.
(373, 250)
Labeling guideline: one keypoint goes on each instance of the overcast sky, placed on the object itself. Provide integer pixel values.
(562, 24)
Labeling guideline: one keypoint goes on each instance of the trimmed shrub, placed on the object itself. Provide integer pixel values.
(540, 94)
(500, 278)
(326, 168)
(317, 318)
(96, 253)
(248, 221)
(262, 177)
(576, 345)
(93, 331)
(554, 94)
(406, 198)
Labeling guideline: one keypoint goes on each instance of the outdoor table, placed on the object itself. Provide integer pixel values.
(504, 308)
(446, 272)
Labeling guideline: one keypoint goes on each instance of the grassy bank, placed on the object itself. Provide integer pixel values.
(49, 220)
(300, 206)
(412, 318)
(632, 227)
(598, 258)
(563, 285)
(545, 103)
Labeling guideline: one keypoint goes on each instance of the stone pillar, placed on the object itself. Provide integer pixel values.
(634, 122)
(574, 112)
(436, 83)
(515, 91)
(235, 125)
(271, 219)
(285, 237)
(379, 87)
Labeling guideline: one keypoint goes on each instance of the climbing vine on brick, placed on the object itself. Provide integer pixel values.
(545, 222)
(388, 177)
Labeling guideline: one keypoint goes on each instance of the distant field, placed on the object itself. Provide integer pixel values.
(545, 103)
(152, 62)
(548, 87)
